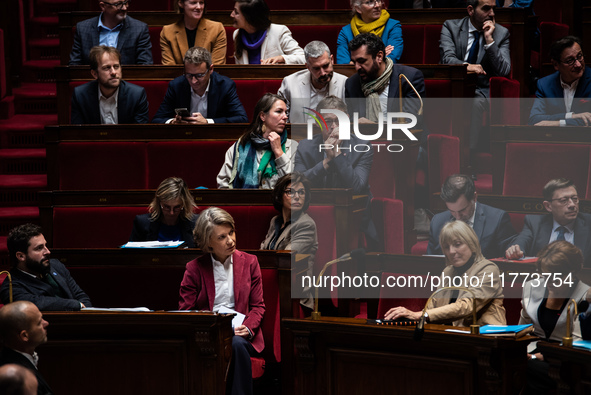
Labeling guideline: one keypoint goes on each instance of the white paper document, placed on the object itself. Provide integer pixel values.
(237, 320)
(152, 244)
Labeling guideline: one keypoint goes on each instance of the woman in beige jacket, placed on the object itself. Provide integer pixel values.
(467, 266)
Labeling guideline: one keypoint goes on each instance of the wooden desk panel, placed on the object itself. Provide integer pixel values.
(97, 353)
(569, 367)
(348, 356)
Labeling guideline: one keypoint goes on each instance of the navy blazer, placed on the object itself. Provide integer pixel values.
(353, 92)
(144, 229)
(492, 226)
(537, 230)
(348, 170)
(132, 104)
(549, 103)
(133, 42)
(26, 287)
(223, 104)
(8, 355)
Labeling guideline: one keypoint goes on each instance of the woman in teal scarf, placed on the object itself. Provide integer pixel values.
(369, 17)
(263, 154)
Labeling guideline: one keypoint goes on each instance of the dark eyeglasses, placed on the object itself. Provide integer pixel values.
(571, 61)
(174, 209)
(292, 192)
(198, 76)
(119, 4)
(564, 201)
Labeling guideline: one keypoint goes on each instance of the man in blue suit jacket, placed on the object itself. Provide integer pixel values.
(115, 29)
(492, 226)
(572, 77)
(207, 96)
(108, 99)
(564, 222)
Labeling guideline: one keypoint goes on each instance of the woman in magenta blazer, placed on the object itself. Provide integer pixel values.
(226, 277)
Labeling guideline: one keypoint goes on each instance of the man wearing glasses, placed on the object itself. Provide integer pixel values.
(564, 222)
(113, 28)
(200, 95)
(562, 98)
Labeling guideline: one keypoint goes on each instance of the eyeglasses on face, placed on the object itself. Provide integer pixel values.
(571, 61)
(564, 201)
(119, 5)
(372, 3)
(198, 76)
(174, 209)
(292, 192)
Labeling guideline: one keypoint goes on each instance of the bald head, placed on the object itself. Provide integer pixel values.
(22, 326)
(17, 380)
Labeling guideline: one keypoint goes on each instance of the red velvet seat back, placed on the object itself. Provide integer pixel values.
(431, 53)
(328, 34)
(443, 155)
(155, 92)
(504, 103)
(414, 41)
(388, 218)
(517, 220)
(250, 91)
(438, 107)
(155, 40)
(101, 165)
(2, 66)
(529, 166)
(549, 33)
(196, 162)
(93, 227)
(230, 45)
(383, 173)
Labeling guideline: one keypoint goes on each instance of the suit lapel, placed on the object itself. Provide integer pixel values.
(305, 90)
(207, 268)
(479, 220)
(463, 36)
(181, 38)
(238, 267)
(212, 95)
(581, 234)
(122, 35)
(32, 282)
(545, 232)
(61, 281)
(94, 103)
(122, 112)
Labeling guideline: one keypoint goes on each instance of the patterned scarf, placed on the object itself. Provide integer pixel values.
(244, 173)
(371, 90)
(376, 27)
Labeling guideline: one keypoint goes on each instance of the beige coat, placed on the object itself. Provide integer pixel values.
(210, 35)
(489, 298)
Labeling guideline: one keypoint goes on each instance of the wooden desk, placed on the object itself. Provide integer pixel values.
(114, 277)
(97, 353)
(500, 135)
(347, 356)
(569, 367)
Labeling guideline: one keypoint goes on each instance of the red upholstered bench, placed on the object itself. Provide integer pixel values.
(250, 91)
(388, 216)
(102, 165)
(538, 163)
(517, 220)
(197, 162)
(104, 227)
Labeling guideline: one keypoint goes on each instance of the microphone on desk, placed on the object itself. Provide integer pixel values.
(400, 76)
(9, 277)
(357, 254)
(567, 341)
(420, 328)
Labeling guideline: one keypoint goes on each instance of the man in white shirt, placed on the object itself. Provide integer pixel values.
(564, 222)
(108, 99)
(205, 96)
(23, 329)
(562, 98)
(306, 88)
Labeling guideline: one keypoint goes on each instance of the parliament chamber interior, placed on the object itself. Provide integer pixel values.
(85, 184)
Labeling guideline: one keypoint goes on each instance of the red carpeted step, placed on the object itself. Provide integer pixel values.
(35, 98)
(25, 213)
(23, 181)
(44, 48)
(23, 161)
(25, 130)
(483, 183)
(39, 70)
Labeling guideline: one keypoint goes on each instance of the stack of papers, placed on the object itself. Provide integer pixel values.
(152, 244)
